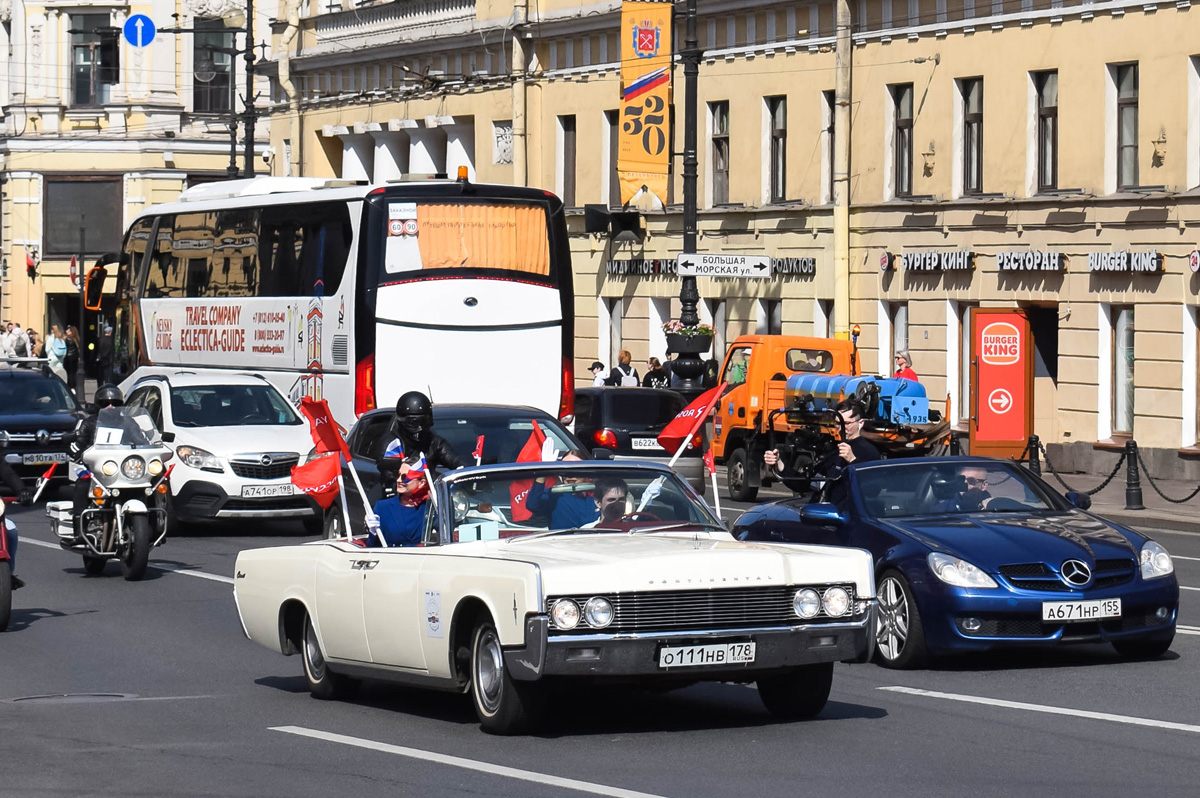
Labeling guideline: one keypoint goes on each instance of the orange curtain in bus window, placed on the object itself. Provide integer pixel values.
(483, 236)
(644, 152)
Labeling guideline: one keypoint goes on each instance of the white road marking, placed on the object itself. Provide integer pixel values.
(469, 764)
(1185, 587)
(228, 580)
(1076, 713)
(1187, 630)
(1178, 557)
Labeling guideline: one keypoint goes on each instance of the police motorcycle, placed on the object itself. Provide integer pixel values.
(122, 520)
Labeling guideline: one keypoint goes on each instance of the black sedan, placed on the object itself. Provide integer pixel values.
(37, 414)
(505, 430)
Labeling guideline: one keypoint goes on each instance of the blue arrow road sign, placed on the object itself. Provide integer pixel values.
(139, 30)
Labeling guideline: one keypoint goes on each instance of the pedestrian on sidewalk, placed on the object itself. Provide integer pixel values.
(74, 346)
(656, 376)
(55, 349)
(598, 378)
(904, 369)
(624, 374)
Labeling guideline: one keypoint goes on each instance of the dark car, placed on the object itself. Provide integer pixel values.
(506, 430)
(37, 414)
(627, 421)
(973, 553)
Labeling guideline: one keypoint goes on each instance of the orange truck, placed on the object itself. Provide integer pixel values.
(783, 392)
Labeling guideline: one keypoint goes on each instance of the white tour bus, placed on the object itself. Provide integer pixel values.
(356, 293)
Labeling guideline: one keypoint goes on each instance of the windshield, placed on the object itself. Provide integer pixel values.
(126, 427)
(954, 488)
(230, 406)
(641, 410)
(503, 438)
(567, 497)
(37, 396)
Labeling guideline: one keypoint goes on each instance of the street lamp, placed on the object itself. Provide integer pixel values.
(688, 365)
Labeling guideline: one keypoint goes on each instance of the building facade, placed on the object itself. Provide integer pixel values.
(1042, 154)
(95, 128)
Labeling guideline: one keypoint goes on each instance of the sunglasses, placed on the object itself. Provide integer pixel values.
(973, 481)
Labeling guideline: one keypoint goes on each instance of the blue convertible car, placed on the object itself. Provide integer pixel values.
(973, 553)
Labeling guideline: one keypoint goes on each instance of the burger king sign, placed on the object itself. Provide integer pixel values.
(1002, 391)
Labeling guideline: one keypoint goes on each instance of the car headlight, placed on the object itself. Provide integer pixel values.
(195, 457)
(836, 602)
(155, 467)
(1155, 561)
(109, 468)
(959, 573)
(598, 612)
(806, 603)
(133, 468)
(565, 614)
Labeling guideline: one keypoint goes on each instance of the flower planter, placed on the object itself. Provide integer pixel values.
(688, 344)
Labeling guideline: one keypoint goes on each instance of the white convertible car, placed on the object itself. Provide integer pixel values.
(651, 589)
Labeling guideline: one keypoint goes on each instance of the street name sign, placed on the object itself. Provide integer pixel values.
(139, 30)
(699, 265)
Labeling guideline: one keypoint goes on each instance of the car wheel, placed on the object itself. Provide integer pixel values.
(94, 566)
(1143, 649)
(5, 594)
(899, 634)
(333, 526)
(137, 551)
(736, 472)
(503, 705)
(801, 693)
(322, 682)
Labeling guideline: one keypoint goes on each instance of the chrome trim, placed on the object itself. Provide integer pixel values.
(858, 623)
(265, 512)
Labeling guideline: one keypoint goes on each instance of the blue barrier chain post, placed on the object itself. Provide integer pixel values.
(1133, 483)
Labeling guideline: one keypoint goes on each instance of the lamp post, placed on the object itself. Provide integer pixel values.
(688, 365)
(80, 375)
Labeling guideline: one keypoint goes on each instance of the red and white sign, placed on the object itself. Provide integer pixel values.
(1194, 260)
(1003, 389)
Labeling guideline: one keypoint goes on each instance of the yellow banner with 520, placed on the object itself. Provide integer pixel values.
(644, 147)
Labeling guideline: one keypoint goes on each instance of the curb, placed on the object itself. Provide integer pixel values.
(1147, 519)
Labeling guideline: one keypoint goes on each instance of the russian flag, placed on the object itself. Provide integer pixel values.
(394, 449)
(646, 82)
(416, 470)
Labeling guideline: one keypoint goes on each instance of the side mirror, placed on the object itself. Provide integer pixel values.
(1080, 500)
(601, 453)
(822, 513)
(168, 437)
(93, 287)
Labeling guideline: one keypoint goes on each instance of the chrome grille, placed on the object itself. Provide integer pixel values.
(729, 608)
(279, 468)
(1040, 576)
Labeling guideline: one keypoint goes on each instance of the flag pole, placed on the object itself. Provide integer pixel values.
(716, 494)
(43, 482)
(345, 507)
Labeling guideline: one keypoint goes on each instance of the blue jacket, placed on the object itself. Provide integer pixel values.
(567, 510)
(401, 526)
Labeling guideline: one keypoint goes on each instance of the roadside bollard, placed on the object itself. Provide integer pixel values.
(955, 445)
(1035, 464)
(1133, 483)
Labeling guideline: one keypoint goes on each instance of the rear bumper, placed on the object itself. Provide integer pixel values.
(636, 655)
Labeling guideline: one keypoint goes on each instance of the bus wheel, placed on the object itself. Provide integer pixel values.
(737, 473)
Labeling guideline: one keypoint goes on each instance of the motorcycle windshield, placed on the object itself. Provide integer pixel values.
(128, 427)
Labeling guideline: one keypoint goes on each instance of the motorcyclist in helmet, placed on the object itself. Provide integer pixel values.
(84, 437)
(413, 428)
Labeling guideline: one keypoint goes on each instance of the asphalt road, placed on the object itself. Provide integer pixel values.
(182, 704)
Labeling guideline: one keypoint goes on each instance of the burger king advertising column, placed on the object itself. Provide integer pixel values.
(1001, 383)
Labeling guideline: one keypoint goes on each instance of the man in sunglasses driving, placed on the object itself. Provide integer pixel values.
(973, 492)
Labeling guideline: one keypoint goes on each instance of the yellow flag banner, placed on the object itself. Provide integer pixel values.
(644, 149)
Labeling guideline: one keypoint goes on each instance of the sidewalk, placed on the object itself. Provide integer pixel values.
(1110, 502)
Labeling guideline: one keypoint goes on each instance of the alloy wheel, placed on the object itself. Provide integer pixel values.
(312, 653)
(891, 631)
(489, 670)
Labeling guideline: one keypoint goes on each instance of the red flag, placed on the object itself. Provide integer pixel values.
(684, 425)
(319, 479)
(709, 464)
(323, 428)
(29, 261)
(74, 271)
(519, 490)
(50, 471)
(478, 453)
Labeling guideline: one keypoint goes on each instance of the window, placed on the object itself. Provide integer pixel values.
(972, 100)
(1122, 378)
(777, 116)
(719, 113)
(283, 250)
(1127, 125)
(212, 72)
(738, 363)
(566, 127)
(614, 180)
(768, 317)
(964, 354)
(902, 153)
(1046, 84)
(830, 112)
(899, 319)
(72, 203)
(95, 59)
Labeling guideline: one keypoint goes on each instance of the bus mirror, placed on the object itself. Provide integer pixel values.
(93, 287)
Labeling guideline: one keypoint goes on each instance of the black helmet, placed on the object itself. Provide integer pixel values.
(109, 395)
(414, 403)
